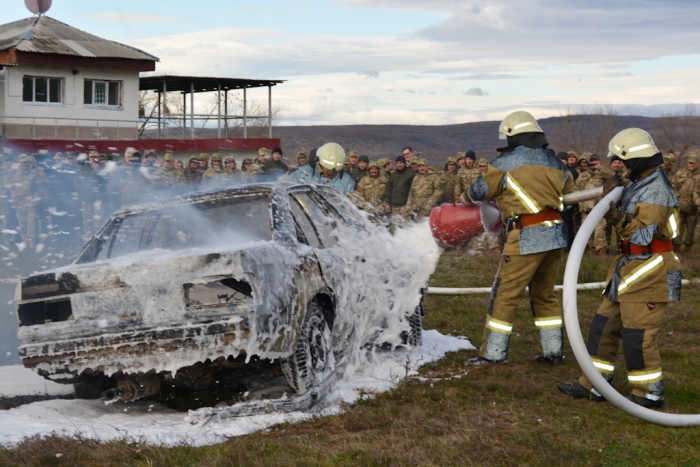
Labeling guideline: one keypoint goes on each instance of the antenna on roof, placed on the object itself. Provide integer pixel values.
(38, 7)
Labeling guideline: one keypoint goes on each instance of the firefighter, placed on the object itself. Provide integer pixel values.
(529, 182)
(683, 185)
(642, 280)
(328, 170)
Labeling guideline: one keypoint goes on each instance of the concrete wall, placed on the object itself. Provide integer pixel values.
(73, 106)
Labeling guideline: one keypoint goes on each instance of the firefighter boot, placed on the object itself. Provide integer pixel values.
(575, 390)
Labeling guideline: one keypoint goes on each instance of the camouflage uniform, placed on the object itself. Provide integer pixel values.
(216, 176)
(683, 186)
(372, 190)
(669, 163)
(594, 179)
(381, 163)
(467, 176)
(167, 177)
(426, 190)
(450, 180)
(27, 187)
(192, 175)
(203, 157)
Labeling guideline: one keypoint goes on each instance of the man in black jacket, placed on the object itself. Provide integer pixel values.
(397, 189)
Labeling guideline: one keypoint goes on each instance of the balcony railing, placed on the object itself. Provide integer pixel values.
(13, 127)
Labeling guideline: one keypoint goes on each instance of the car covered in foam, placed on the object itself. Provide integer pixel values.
(195, 289)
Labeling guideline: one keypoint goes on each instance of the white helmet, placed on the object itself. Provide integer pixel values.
(632, 143)
(331, 156)
(518, 122)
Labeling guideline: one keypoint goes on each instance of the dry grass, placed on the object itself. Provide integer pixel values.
(508, 414)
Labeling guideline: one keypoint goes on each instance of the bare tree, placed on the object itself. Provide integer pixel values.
(677, 130)
(587, 130)
(257, 117)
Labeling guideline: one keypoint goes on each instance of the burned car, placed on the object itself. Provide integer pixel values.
(191, 290)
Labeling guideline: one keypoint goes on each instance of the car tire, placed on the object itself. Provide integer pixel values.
(414, 336)
(89, 390)
(312, 360)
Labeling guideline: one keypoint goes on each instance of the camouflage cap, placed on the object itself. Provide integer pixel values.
(353, 153)
(693, 158)
(300, 154)
(71, 155)
(93, 153)
(203, 157)
(168, 157)
(483, 162)
(103, 157)
(461, 155)
(263, 152)
(216, 157)
(150, 152)
(230, 159)
(193, 159)
(669, 158)
(451, 160)
(414, 160)
(247, 160)
(593, 157)
(572, 154)
(419, 161)
(583, 159)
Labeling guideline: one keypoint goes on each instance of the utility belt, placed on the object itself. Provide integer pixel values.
(656, 246)
(527, 220)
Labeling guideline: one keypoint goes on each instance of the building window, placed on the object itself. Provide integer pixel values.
(44, 90)
(106, 93)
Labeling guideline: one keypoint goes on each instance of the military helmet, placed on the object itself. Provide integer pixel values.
(518, 122)
(168, 157)
(331, 156)
(632, 143)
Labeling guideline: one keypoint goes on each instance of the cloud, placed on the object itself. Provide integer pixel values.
(476, 92)
(486, 77)
(369, 73)
(125, 17)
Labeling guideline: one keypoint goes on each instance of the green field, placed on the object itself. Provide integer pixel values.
(509, 414)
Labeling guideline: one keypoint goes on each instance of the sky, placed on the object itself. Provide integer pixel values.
(428, 62)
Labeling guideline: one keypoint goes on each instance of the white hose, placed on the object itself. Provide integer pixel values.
(476, 290)
(573, 329)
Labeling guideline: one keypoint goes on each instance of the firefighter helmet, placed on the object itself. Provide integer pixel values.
(518, 122)
(632, 143)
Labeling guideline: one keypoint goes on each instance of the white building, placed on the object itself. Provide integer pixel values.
(60, 83)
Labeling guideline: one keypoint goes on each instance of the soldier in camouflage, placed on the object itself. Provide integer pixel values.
(467, 174)
(450, 180)
(371, 190)
(168, 177)
(669, 163)
(192, 174)
(683, 186)
(203, 162)
(426, 190)
(595, 177)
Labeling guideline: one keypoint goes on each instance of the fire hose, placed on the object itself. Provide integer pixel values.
(573, 329)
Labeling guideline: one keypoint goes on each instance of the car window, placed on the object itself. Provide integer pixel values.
(228, 223)
(305, 231)
(342, 209)
(323, 223)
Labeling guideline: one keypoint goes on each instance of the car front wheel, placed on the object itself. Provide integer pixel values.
(312, 360)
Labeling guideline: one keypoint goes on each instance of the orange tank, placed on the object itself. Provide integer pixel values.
(455, 224)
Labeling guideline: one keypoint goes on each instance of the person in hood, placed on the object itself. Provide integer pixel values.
(529, 182)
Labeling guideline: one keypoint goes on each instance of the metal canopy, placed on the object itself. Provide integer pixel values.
(188, 84)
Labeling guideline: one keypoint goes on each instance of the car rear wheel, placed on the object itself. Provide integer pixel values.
(312, 360)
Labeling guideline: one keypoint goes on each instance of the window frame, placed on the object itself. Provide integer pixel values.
(108, 93)
(49, 79)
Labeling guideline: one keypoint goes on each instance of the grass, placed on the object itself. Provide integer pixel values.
(504, 415)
